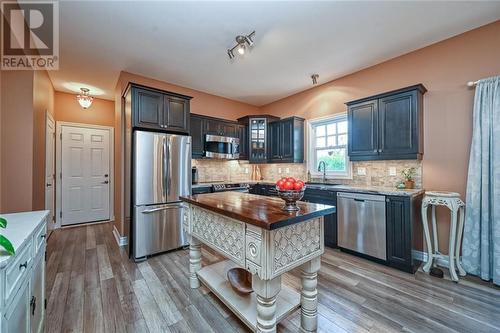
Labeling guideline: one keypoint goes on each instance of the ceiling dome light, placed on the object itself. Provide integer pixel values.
(242, 42)
(84, 99)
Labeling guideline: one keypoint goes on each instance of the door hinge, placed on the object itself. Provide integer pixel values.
(60, 136)
(60, 175)
(60, 214)
(45, 303)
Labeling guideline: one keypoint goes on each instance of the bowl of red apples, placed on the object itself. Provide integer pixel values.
(290, 190)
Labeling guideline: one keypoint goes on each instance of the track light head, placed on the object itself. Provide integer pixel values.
(230, 54)
(241, 49)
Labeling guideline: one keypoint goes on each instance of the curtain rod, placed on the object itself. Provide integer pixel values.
(472, 83)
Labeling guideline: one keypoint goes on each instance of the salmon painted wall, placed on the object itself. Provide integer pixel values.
(17, 141)
(101, 112)
(202, 103)
(443, 68)
(43, 102)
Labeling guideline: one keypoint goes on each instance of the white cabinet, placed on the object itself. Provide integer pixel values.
(17, 315)
(22, 276)
(37, 301)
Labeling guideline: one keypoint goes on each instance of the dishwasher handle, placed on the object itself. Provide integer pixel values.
(361, 197)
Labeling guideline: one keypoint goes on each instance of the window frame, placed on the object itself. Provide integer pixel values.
(311, 148)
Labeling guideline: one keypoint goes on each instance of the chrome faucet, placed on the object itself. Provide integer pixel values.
(322, 163)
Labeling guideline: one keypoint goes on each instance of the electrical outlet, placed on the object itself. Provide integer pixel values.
(361, 171)
(246, 170)
(287, 170)
(279, 170)
(392, 171)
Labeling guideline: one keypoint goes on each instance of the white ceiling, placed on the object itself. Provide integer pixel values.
(185, 43)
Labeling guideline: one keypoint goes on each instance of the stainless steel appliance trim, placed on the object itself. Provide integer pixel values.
(149, 211)
(222, 156)
(219, 138)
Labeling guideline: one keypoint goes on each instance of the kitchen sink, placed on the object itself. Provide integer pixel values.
(321, 184)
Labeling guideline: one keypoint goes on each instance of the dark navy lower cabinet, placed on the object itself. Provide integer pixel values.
(404, 231)
(325, 197)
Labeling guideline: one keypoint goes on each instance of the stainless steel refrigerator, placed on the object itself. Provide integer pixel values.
(161, 166)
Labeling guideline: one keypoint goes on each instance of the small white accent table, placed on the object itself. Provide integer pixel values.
(452, 201)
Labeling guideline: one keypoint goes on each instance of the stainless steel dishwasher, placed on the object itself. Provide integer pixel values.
(361, 223)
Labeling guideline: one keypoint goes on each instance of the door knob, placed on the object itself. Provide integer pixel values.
(106, 175)
(105, 182)
(49, 184)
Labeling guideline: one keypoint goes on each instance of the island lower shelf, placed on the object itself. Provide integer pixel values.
(214, 278)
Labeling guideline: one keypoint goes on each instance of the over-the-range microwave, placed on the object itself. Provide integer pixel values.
(222, 147)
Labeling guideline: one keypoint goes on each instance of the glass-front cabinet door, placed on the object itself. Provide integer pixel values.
(258, 134)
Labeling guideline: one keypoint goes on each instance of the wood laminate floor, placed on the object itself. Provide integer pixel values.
(92, 286)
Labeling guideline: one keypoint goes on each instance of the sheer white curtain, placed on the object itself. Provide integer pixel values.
(481, 243)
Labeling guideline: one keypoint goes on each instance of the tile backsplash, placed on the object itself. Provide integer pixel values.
(376, 172)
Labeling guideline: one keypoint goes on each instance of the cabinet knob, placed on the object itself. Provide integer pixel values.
(380, 150)
(375, 150)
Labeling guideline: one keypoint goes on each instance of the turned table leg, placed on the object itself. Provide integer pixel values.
(461, 271)
(428, 243)
(194, 262)
(266, 291)
(309, 296)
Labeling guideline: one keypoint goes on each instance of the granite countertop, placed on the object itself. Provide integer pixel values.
(333, 187)
(369, 189)
(20, 227)
(258, 210)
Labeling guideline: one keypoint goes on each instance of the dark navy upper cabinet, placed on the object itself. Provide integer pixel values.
(202, 125)
(258, 136)
(286, 141)
(148, 108)
(197, 127)
(243, 136)
(363, 129)
(159, 110)
(388, 126)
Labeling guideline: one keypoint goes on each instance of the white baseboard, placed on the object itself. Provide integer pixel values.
(121, 240)
(422, 256)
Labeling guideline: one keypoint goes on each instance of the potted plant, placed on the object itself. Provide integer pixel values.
(408, 175)
(4, 241)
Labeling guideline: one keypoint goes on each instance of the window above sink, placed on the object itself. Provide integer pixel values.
(327, 139)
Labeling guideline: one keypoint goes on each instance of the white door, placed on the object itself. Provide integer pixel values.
(85, 168)
(50, 145)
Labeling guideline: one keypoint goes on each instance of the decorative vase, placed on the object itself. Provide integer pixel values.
(409, 184)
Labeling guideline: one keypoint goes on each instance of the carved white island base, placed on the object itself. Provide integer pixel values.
(267, 254)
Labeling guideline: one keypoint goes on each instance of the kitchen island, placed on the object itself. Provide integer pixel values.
(254, 233)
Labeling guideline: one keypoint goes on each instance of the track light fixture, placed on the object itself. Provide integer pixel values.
(315, 78)
(242, 42)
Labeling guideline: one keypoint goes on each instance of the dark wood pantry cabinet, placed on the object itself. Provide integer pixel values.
(159, 110)
(387, 126)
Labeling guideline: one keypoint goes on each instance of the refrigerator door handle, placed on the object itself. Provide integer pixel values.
(165, 165)
(149, 211)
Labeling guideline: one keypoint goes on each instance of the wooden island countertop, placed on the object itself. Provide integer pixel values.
(264, 212)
